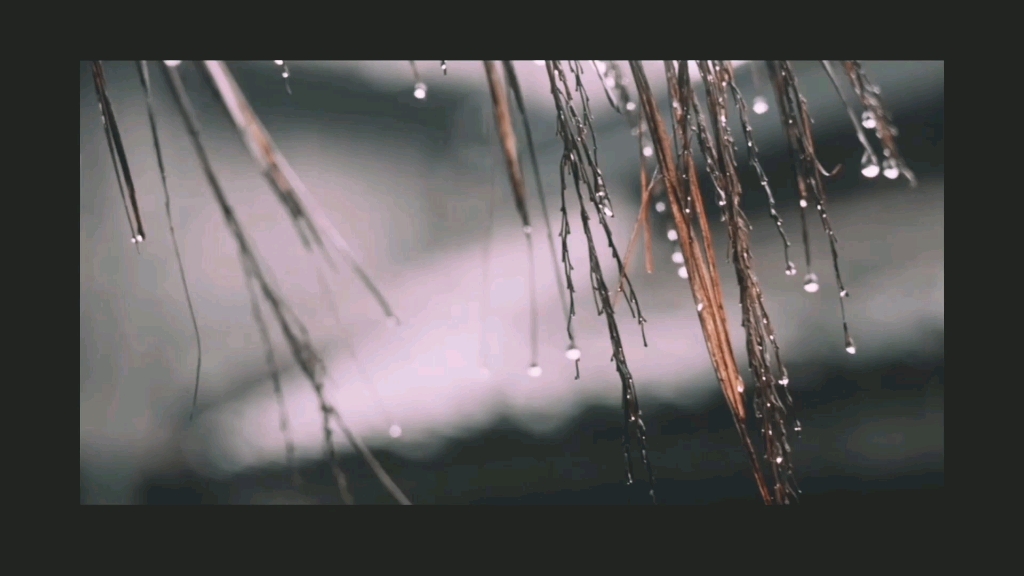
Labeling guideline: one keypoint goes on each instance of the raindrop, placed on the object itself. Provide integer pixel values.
(648, 151)
(659, 206)
(133, 239)
(784, 381)
(285, 74)
(534, 371)
(891, 170)
(868, 166)
(803, 203)
(673, 235)
(684, 274)
(419, 91)
(609, 82)
(527, 229)
(797, 427)
(444, 67)
(850, 347)
(630, 106)
(139, 238)
(700, 307)
(867, 119)
(279, 62)
(790, 269)
(844, 293)
(811, 283)
(395, 431)
(172, 63)
(760, 105)
(608, 212)
(677, 257)
(739, 388)
(573, 353)
(721, 202)
(778, 459)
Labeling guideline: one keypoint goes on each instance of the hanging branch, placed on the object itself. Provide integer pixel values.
(513, 84)
(869, 163)
(580, 161)
(768, 406)
(808, 169)
(117, 153)
(309, 218)
(686, 202)
(295, 332)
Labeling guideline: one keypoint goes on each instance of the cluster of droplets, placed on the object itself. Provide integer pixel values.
(285, 73)
(760, 105)
(673, 236)
(869, 164)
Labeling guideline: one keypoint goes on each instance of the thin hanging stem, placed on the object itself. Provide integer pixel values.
(309, 218)
(295, 332)
(507, 136)
(143, 68)
(513, 82)
(884, 128)
(117, 153)
(868, 151)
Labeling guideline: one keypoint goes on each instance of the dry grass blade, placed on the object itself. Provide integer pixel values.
(687, 203)
(295, 332)
(507, 136)
(308, 216)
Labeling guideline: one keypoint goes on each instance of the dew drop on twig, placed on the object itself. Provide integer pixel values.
(760, 105)
(534, 371)
(867, 119)
(677, 257)
(868, 166)
(684, 274)
(891, 170)
(573, 353)
(811, 283)
(790, 269)
(659, 206)
(395, 431)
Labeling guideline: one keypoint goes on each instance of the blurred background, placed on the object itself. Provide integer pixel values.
(418, 188)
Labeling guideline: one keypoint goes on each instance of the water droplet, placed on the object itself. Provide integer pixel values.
(785, 380)
(527, 229)
(285, 74)
(609, 82)
(850, 346)
(648, 151)
(740, 388)
(573, 353)
(868, 166)
(760, 105)
(867, 119)
(534, 371)
(172, 63)
(778, 459)
(700, 307)
(444, 67)
(844, 293)
(891, 170)
(673, 235)
(538, 62)
(811, 283)
(677, 257)
(659, 206)
(139, 238)
(790, 269)
(133, 239)
(684, 274)
(797, 427)
(630, 106)
(395, 431)
(608, 212)
(419, 91)
(279, 62)
(803, 203)
(721, 201)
